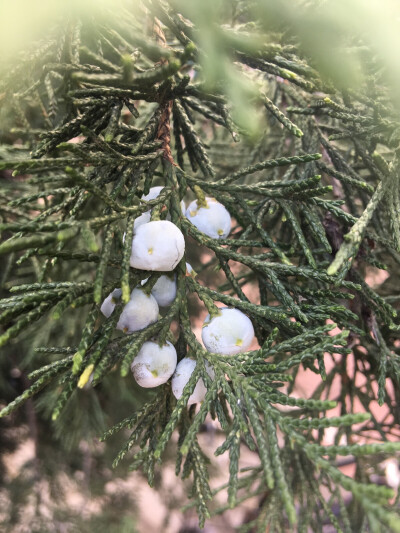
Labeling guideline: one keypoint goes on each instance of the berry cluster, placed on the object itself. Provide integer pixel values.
(159, 245)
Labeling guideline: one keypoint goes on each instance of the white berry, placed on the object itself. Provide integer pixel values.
(139, 312)
(213, 220)
(144, 218)
(229, 333)
(108, 306)
(164, 290)
(158, 245)
(182, 375)
(153, 193)
(154, 364)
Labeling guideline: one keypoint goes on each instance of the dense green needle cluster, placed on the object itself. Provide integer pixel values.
(104, 109)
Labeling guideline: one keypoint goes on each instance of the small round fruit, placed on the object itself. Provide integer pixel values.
(164, 290)
(213, 220)
(229, 333)
(154, 364)
(144, 218)
(158, 245)
(108, 306)
(138, 313)
(153, 193)
(182, 375)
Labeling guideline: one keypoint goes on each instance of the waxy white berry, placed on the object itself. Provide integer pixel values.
(158, 245)
(229, 333)
(154, 364)
(164, 290)
(144, 218)
(213, 220)
(182, 375)
(139, 312)
(155, 191)
(108, 306)
(152, 194)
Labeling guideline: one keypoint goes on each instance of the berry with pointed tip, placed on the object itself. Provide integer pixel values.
(229, 333)
(108, 306)
(164, 290)
(158, 245)
(182, 375)
(139, 312)
(154, 364)
(190, 271)
(213, 220)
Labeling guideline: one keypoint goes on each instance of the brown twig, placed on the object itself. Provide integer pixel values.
(164, 131)
(164, 127)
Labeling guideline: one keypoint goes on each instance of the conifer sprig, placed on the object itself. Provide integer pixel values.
(124, 107)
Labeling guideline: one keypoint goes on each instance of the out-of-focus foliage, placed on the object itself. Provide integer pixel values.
(336, 35)
(333, 34)
(23, 22)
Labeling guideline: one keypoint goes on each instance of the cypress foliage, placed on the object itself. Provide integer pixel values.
(104, 108)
